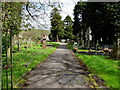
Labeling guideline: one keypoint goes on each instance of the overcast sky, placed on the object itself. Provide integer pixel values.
(67, 7)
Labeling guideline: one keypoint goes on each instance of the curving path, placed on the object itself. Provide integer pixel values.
(60, 70)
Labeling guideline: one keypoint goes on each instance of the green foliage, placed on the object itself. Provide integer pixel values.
(57, 25)
(11, 21)
(78, 24)
(70, 46)
(55, 44)
(31, 56)
(11, 16)
(113, 10)
(68, 26)
(103, 18)
(106, 69)
(78, 10)
(5, 43)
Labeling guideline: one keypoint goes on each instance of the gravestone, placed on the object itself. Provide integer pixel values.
(88, 36)
(44, 41)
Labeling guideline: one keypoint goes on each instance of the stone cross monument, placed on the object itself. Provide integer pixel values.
(88, 36)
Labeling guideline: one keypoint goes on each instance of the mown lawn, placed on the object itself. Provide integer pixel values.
(106, 69)
(26, 59)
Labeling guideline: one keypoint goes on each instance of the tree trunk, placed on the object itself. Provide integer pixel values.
(6, 61)
(118, 46)
(26, 44)
(0, 42)
(18, 45)
(11, 58)
(116, 51)
(57, 38)
(77, 39)
(0, 46)
(88, 44)
(13, 44)
(0, 55)
(8, 53)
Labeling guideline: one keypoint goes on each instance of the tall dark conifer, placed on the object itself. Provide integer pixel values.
(68, 23)
(56, 25)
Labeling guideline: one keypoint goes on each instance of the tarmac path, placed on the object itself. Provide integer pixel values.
(60, 70)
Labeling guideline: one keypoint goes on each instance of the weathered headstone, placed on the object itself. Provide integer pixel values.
(88, 37)
(44, 41)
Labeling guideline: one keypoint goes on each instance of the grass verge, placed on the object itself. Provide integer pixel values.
(70, 46)
(107, 69)
(27, 59)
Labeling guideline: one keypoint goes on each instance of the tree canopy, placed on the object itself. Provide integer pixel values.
(11, 21)
(68, 27)
(56, 25)
(102, 17)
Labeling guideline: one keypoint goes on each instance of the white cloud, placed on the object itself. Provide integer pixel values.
(68, 6)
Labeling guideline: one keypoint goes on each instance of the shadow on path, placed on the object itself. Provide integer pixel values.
(59, 71)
